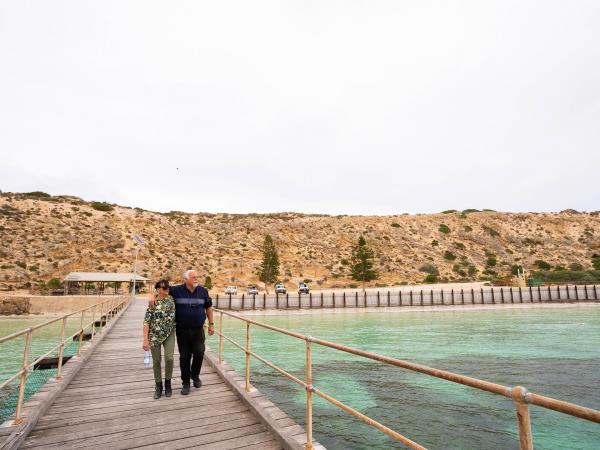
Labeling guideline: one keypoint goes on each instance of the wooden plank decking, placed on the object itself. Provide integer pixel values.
(109, 405)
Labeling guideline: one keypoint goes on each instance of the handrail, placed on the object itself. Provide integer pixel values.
(108, 310)
(521, 396)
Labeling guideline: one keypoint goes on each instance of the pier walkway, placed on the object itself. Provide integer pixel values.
(108, 404)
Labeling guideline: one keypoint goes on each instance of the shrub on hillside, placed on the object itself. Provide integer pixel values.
(395, 225)
(566, 276)
(444, 229)
(449, 211)
(449, 255)
(434, 243)
(102, 206)
(542, 264)
(429, 268)
(576, 267)
(490, 231)
(430, 279)
(37, 195)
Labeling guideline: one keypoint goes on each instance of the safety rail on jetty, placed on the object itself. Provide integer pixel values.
(91, 321)
(411, 297)
(520, 395)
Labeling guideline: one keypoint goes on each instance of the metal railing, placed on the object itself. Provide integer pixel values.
(520, 396)
(498, 295)
(101, 314)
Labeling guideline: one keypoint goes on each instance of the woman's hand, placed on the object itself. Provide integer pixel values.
(146, 345)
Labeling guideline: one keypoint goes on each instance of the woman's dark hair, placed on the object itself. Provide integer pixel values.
(164, 283)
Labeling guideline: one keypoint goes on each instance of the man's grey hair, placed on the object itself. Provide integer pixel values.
(186, 274)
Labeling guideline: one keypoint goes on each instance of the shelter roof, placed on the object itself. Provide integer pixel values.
(104, 276)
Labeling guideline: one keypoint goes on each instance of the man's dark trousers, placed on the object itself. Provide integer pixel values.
(190, 342)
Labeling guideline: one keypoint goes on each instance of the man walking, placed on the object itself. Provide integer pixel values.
(192, 306)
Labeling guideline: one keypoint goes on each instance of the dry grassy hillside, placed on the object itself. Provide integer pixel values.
(44, 237)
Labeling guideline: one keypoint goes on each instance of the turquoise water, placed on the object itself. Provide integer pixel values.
(11, 355)
(550, 351)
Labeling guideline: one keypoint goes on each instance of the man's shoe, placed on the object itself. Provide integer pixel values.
(197, 382)
(168, 390)
(158, 390)
(185, 389)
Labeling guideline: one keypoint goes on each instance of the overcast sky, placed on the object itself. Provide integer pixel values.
(338, 107)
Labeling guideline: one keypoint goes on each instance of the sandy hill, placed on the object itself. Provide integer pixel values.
(45, 237)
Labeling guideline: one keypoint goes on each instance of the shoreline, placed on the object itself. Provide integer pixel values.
(408, 309)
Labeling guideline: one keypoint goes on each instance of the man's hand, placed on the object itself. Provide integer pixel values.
(211, 330)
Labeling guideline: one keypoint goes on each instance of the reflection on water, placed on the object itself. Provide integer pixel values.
(551, 351)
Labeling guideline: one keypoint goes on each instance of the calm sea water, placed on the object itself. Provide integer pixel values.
(551, 351)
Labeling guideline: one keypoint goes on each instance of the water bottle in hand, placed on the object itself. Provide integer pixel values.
(147, 358)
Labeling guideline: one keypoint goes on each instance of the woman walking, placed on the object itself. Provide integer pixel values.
(159, 331)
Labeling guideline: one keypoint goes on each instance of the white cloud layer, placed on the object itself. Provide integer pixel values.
(355, 107)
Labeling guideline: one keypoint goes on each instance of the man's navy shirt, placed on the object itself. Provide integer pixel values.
(190, 307)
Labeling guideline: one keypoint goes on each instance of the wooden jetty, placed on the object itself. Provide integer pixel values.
(108, 404)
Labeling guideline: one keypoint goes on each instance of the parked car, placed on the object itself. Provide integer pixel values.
(252, 290)
(231, 290)
(303, 288)
(280, 288)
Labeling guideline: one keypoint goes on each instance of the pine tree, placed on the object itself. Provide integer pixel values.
(361, 264)
(269, 268)
(208, 282)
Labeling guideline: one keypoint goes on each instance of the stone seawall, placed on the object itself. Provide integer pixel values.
(40, 304)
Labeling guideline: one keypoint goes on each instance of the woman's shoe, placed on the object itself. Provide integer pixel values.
(168, 390)
(158, 390)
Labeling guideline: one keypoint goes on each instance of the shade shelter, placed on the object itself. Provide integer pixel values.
(100, 280)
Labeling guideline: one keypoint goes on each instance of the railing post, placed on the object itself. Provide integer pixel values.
(333, 298)
(378, 301)
(523, 419)
(23, 381)
(247, 356)
(421, 297)
(310, 300)
(243, 298)
(93, 322)
(308, 445)
(101, 314)
(344, 298)
(388, 299)
(452, 295)
(221, 337)
(80, 335)
(462, 296)
(62, 347)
